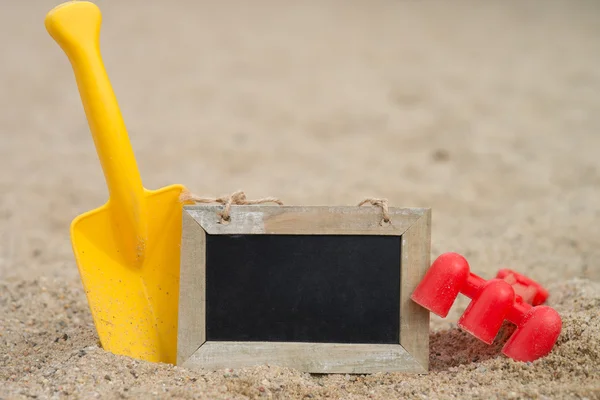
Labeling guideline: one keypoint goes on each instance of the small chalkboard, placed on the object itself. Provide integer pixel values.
(320, 289)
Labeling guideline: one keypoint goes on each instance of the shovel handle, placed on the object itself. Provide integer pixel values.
(75, 26)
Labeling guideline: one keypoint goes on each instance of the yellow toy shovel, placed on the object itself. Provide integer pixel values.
(127, 251)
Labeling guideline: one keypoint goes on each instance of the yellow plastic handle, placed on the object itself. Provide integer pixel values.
(75, 26)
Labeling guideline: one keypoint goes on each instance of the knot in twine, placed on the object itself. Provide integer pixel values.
(381, 203)
(237, 198)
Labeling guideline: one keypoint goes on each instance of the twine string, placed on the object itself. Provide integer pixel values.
(381, 203)
(237, 198)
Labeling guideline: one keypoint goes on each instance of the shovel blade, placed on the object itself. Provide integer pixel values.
(134, 306)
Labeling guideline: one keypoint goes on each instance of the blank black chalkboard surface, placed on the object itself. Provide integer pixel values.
(319, 289)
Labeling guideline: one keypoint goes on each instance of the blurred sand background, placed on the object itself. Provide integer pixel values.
(488, 112)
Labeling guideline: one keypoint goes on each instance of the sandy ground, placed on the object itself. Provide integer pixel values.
(486, 112)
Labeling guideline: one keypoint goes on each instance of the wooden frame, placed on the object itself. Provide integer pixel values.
(410, 355)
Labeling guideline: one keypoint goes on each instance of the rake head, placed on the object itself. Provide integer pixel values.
(492, 302)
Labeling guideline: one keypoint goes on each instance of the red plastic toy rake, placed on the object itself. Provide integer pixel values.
(493, 301)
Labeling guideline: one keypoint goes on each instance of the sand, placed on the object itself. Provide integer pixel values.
(488, 113)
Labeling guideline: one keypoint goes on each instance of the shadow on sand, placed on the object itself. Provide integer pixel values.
(454, 347)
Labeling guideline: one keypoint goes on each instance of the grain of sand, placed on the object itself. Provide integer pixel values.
(485, 111)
